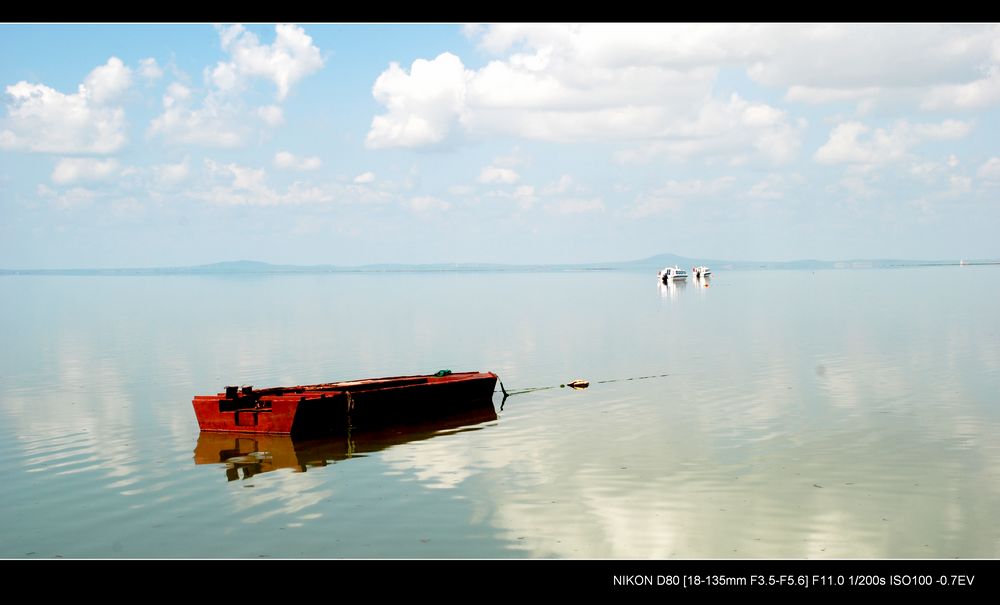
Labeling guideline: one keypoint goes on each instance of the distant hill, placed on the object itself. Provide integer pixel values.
(652, 263)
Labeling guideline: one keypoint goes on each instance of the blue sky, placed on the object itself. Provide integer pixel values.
(158, 145)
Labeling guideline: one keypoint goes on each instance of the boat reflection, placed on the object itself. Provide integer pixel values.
(245, 454)
(670, 289)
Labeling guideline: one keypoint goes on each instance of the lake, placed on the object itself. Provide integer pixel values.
(772, 414)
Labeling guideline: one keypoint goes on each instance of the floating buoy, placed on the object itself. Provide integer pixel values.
(578, 384)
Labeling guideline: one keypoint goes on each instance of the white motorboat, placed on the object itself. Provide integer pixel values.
(669, 274)
(701, 271)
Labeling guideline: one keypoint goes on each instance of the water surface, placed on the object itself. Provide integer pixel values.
(828, 414)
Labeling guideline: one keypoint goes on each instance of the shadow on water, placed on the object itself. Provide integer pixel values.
(245, 454)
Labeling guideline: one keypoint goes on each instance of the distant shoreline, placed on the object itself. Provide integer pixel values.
(651, 263)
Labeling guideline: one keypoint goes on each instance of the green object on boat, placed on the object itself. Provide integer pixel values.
(442, 372)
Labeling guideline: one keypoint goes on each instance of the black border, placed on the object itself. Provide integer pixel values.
(259, 579)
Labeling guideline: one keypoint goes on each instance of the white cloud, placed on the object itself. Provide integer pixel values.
(271, 114)
(423, 105)
(952, 161)
(848, 143)
(71, 170)
(772, 187)
(959, 184)
(291, 57)
(365, 177)
(990, 170)
(568, 83)
(149, 69)
(949, 129)
(672, 195)
(971, 95)
(42, 119)
(815, 96)
(563, 185)
(493, 174)
(172, 174)
(679, 46)
(574, 206)
(427, 203)
(215, 124)
(926, 171)
(843, 146)
(511, 160)
(67, 200)
(857, 186)
(461, 190)
(852, 57)
(246, 186)
(222, 119)
(288, 161)
(652, 204)
(732, 130)
(524, 196)
(108, 81)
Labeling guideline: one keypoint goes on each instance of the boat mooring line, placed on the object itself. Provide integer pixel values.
(507, 393)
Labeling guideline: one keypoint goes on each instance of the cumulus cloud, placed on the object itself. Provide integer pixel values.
(461, 190)
(813, 95)
(75, 197)
(850, 143)
(672, 195)
(42, 119)
(523, 196)
(291, 57)
(108, 81)
(71, 170)
(768, 189)
(927, 172)
(651, 204)
(288, 161)
(246, 186)
(853, 57)
(423, 105)
(172, 174)
(427, 203)
(971, 95)
(494, 174)
(221, 118)
(734, 129)
(271, 114)
(990, 170)
(563, 185)
(214, 124)
(575, 206)
(648, 82)
(149, 69)
(959, 184)
(365, 177)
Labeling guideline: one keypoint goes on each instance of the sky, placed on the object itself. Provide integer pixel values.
(166, 145)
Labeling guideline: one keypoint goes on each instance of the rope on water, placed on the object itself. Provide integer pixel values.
(507, 393)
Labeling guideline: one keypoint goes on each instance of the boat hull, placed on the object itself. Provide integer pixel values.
(333, 408)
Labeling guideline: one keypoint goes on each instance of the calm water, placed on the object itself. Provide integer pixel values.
(834, 414)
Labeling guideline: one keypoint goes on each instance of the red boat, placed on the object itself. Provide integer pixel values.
(335, 407)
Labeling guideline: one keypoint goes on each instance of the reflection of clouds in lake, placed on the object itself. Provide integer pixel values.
(711, 480)
(280, 494)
